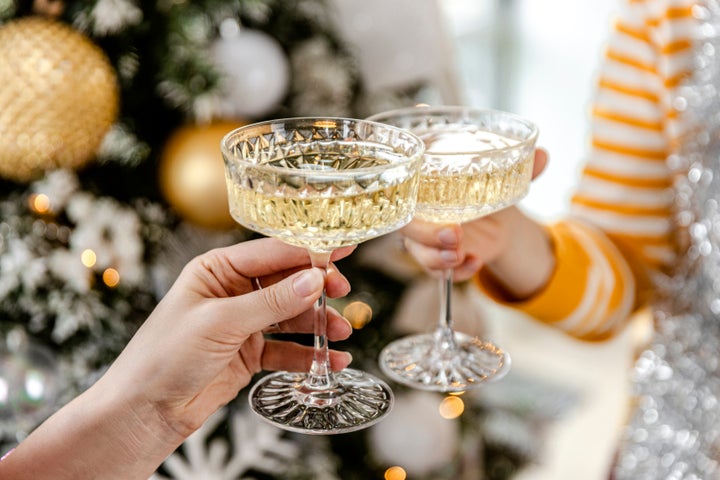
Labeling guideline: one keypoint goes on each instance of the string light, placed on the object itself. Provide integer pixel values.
(395, 473)
(358, 314)
(111, 277)
(39, 203)
(88, 258)
(451, 407)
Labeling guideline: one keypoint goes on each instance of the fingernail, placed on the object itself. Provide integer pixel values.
(308, 282)
(448, 256)
(349, 357)
(447, 237)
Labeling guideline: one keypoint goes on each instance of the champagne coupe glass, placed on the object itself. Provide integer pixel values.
(476, 162)
(321, 183)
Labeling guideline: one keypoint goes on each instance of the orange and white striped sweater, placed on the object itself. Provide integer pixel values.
(620, 229)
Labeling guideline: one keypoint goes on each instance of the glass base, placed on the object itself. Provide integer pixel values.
(420, 361)
(357, 401)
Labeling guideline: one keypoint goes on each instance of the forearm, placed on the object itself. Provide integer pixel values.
(97, 435)
(527, 260)
(591, 289)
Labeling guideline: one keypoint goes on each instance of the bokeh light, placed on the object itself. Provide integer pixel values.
(451, 407)
(88, 258)
(40, 203)
(111, 277)
(35, 385)
(358, 314)
(395, 473)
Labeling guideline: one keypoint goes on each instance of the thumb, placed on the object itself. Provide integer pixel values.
(281, 301)
(541, 160)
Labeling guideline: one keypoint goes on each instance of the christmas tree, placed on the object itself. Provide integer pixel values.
(111, 114)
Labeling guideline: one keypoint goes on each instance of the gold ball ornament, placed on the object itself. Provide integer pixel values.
(192, 175)
(59, 97)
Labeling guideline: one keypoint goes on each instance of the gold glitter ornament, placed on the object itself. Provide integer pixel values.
(58, 99)
(192, 175)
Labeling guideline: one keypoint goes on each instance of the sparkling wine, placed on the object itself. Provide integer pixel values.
(457, 186)
(328, 210)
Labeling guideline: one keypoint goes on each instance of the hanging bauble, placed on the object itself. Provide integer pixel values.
(255, 69)
(29, 383)
(192, 175)
(58, 99)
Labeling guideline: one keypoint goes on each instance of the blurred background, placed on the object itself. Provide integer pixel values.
(111, 113)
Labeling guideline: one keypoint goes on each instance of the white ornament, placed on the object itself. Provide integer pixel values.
(256, 72)
(405, 45)
(414, 436)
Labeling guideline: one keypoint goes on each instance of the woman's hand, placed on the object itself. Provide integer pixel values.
(199, 347)
(466, 248)
(204, 341)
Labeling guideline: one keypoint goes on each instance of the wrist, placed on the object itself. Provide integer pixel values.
(102, 433)
(526, 262)
(135, 430)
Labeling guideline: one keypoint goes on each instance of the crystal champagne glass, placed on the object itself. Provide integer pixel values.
(321, 183)
(476, 162)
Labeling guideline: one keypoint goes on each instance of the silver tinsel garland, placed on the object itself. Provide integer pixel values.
(675, 429)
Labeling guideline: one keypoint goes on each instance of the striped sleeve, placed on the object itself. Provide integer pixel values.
(590, 291)
(620, 226)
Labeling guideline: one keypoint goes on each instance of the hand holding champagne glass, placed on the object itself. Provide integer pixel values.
(321, 183)
(476, 162)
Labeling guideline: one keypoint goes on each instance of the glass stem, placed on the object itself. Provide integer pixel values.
(320, 376)
(444, 337)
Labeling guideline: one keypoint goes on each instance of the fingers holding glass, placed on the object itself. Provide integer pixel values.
(338, 328)
(322, 184)
(287, 356)
(476, 162)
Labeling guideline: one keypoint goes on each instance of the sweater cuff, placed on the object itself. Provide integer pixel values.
(565, 287)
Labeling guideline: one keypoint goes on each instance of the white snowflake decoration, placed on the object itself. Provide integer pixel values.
(255, 445)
